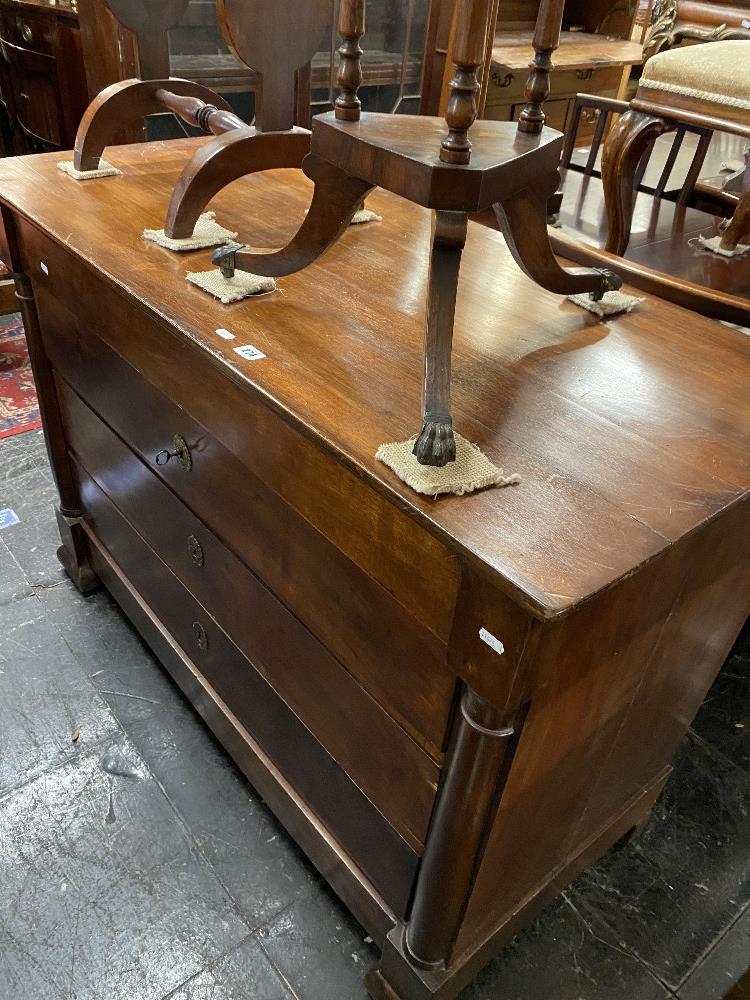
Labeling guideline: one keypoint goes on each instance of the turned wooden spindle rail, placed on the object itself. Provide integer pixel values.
(348, 106)
(468, 55)
(546, 40)
(199, 114)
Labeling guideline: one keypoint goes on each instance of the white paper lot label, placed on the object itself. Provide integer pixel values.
(249, 353)
(492, 641)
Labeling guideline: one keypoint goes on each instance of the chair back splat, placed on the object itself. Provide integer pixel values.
(150, 22)
(275, 40)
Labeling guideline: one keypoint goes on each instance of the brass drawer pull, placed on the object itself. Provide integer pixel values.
(502, 81)
(200, 636)
(195, 550)
(181, 453)
(27, 34)
(584, 74)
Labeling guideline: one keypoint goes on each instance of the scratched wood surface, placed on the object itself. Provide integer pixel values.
(626, 435)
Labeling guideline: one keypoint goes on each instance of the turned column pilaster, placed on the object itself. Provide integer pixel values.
(475, 773)
(546, 40)
(73, 553)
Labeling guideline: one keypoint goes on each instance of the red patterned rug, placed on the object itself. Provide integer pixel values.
(19, 409)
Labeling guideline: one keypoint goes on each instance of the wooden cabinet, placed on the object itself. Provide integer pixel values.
(595, 57)
(43, 79)
(456, 704)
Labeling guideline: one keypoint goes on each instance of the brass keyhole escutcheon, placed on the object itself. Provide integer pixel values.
(195, 549)
(200, 635)
(27, 34)
(181, 453)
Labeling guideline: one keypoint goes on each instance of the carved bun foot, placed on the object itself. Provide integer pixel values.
(611, 282)
(435, 444)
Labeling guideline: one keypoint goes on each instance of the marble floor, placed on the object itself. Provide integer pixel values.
(136, 862)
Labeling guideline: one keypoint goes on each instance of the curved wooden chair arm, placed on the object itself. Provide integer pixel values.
(225, 159)
(336, 198)
(125, 104)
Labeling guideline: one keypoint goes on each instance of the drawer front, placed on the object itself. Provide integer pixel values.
(390, 546)
(396, 659)
(395, 774)
(371, 842)
(30, 30)
(507, 87)
(603, 81)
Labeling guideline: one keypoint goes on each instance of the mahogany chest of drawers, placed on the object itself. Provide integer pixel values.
(454, 705)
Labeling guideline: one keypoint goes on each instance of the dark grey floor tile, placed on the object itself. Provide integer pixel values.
(724, 717)
(261, 867)
(34, 541)
(13, 584)
(106, 645)
(244, 974)
(723, 967)
(320, 949)
(565, 955)
(103, 894)
(21, 454)
(44, 697)
(672, 894)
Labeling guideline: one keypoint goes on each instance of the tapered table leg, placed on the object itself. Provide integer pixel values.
(436, 444)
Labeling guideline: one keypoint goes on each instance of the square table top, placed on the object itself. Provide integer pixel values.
(627, 434)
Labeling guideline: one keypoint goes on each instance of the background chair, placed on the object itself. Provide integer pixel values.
(707, 86)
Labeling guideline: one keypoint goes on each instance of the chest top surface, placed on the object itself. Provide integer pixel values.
(627, 435)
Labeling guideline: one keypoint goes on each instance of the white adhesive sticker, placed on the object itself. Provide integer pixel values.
(249, 353)
(225, 334)
(44, 267)
(492, 641)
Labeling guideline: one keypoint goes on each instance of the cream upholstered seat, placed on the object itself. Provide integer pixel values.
(718, 73)
(707, 85)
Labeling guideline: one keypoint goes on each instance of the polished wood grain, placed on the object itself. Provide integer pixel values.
(493, 354)
(611, 581)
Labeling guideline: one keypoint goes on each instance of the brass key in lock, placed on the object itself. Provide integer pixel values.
(181, 453)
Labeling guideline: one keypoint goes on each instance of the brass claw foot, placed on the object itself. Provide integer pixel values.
(225, 258)
(435, 444)
(611, 282)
